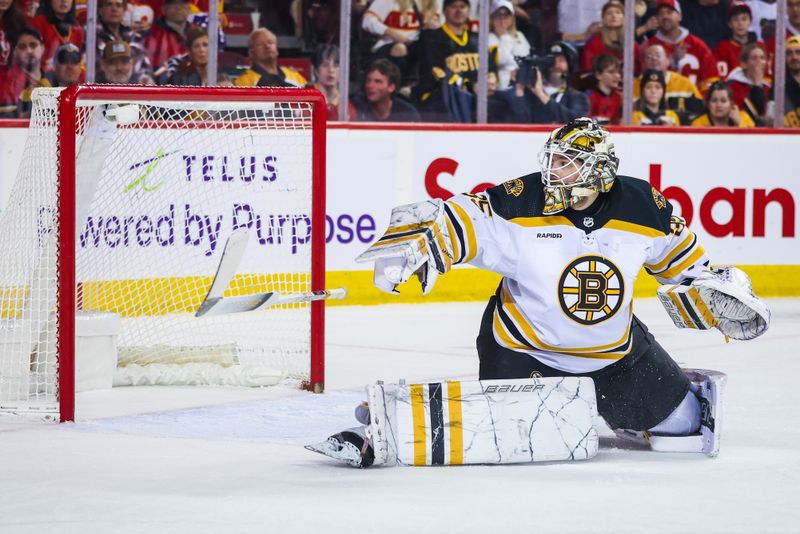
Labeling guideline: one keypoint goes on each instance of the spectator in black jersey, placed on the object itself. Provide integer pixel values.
(448, 67)
(548, 99)
(380, 103)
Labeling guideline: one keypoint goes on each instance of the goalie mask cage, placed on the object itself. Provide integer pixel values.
(122, 205)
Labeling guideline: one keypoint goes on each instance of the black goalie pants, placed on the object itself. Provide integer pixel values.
(637, 392)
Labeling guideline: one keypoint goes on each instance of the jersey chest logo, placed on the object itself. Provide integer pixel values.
(590, 290)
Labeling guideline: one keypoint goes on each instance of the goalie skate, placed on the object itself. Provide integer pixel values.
(348, 447)
(709, 387)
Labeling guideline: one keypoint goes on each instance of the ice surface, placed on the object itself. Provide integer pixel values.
(162, 460)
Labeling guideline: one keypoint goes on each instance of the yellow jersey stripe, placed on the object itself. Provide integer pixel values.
(409, 227)
(683, 245)
(679, 268)
(456, 423)
(469, 231)
(418, 418)
(527, 329)
(532, 222)
(633, 228)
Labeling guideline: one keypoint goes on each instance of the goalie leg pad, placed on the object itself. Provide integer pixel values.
(483, 422)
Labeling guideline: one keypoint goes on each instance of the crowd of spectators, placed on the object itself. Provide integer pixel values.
(696, 62)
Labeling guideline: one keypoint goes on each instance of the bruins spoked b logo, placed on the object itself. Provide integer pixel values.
(590, 290)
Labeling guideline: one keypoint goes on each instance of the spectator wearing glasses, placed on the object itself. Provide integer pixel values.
(24, 75)
(167, 37)
(57, 25)
(67, 66)
(689, 55)
(264, 70)
(11, 23)
(721, 109)
(117, 66)
(682, 95)
(110, 27)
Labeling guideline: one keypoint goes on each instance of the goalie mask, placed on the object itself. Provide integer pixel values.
(576, 161)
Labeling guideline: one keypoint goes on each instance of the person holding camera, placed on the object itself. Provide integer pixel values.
(542, 94)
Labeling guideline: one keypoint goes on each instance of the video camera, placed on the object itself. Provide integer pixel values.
(532, 64)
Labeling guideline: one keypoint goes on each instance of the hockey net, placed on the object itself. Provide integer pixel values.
(123, 204)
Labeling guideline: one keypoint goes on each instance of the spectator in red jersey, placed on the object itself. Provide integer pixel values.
(610, 39)
(792, 29)
(110, 27)
(380, 104)
(23, 76)
(56, 23)
(721, 109)
(605, 100)
(167, 38)
(689, 54)
(325, 63)
(11, 23)
(749, 83)
(727, 52)
(651, 108)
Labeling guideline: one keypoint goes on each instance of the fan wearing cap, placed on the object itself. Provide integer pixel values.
(117, 65)
(651, 108)
(683, 97)
(167, 38)
(792, 29)
(689, 55)
(110, 27)
(506, 42)
(727, 51)
(24, 75)
(67, 68)
(548, 99)
(56, 23)
(792, 102)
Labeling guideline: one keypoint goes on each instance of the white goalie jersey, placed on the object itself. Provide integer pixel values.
(567, 288)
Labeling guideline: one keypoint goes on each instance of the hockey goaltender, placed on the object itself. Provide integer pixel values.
(558, 342)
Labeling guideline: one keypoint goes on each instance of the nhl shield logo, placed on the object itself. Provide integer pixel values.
(588, 222)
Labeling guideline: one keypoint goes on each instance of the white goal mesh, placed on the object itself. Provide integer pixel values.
(160, 184)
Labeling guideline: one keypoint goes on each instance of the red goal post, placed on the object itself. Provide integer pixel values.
(291, 120)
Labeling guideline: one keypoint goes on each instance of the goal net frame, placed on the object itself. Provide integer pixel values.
(66, 282)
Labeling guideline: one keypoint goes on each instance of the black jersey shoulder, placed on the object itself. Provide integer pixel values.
(635, 201)
(519, 197)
